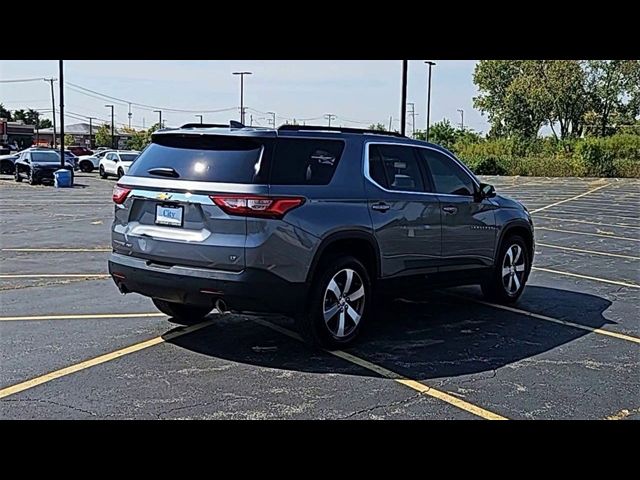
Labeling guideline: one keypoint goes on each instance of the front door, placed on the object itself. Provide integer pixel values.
(404, 212)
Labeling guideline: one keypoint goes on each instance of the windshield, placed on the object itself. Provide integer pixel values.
(128, 157)
(45, 157)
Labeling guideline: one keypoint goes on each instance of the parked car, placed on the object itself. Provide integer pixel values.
(38, 164)
(87, 163)
(7, 163)
(116, 162)
(71, 158)
(309, 222)
(79, 151)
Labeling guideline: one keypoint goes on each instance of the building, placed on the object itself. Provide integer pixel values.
(83, 134)
(16, 133)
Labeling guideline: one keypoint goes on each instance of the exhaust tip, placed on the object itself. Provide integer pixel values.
(221, 306)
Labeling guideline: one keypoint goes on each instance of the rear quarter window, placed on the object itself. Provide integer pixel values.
(303, 161)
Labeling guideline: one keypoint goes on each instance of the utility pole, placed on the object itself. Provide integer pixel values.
(159, 112)
(413, 118)
(273, 119)
(53, 106)
(61, 71)
(403, 109)
(461, 119)
(129, 115)
(200, 118)
(112, 128)
(242, 74)
(330, 116)
(91, 132)
(431, 64)
(37, 128)
(390, 121)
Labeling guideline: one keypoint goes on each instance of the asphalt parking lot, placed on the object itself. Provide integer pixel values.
(72, 347)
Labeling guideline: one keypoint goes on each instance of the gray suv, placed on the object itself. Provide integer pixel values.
(313, 222)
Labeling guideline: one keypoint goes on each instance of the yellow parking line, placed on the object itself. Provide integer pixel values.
(600, 331)
(591, 252)
(618, 225)
(571, 198)
(50, 250)
(82, 317)
(588, 233)
(34, 382)
(587, 277)
(396, 377)
(57, 275)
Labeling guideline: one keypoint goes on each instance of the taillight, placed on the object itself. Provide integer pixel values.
(120, 194)
(256, 205)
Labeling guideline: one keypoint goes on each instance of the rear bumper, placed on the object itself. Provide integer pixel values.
(249, 290)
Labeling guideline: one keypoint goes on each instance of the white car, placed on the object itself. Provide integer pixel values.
(87, 163)
(117, 162)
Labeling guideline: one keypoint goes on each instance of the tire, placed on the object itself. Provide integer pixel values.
(508, 288)
(120, 173)
(182, 313)
(332, 320)
(102, 173)
(17, 176)
(32, 181)
(86, 167)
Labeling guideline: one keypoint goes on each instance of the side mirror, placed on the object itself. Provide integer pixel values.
(487, 191)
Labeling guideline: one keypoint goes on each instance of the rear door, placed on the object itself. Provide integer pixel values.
(404, 212)
(468, 224)
(169, 216)
(109, 162)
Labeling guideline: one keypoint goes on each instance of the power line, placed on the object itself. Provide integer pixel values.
(19, 80)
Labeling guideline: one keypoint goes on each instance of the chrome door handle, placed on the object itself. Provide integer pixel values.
(380, 207)
(450, 209)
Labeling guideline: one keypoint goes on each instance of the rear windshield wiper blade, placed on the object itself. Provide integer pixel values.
(164, 172)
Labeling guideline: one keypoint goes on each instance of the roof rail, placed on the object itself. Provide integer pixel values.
(320, 128)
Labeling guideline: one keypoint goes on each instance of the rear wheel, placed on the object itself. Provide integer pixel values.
(182, 313)
(86, 167)
(17, 176)
(103, 174)
(340, 300)
(120, 173)
(508, 279)
(32, 180)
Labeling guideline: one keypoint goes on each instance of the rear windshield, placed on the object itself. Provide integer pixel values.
(207, 159)
(45, 157)
(128, 157)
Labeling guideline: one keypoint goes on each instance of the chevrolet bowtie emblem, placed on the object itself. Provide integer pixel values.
(163, 196)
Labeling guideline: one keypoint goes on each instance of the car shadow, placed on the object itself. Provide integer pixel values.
(432, 335)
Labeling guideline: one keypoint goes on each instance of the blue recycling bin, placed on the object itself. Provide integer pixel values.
(63, 178)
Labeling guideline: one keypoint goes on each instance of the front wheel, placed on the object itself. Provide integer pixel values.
(86, 167)
(32, 180)
(102, 173)
(120, 173)
(182, 313)
(510, 274)
(17, 176)
(339, 303)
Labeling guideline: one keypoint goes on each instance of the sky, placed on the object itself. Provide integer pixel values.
(357, 92)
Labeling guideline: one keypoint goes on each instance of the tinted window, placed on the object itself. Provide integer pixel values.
(45, 157)
(395, 168)
(299, 161)
(447, 176)
(209, 158)
(128, 157)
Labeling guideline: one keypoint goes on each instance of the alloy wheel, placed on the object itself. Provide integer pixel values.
(513, 269)
(343, 303)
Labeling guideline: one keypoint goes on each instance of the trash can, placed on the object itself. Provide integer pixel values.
(62, 178)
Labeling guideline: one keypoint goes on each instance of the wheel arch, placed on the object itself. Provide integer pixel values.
(517, 227)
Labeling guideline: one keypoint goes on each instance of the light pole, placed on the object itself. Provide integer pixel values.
(112, 128)
(200, 118)
(413, 118)
(329, 117)
(273, 119)
(53, 106)
(431, 64)
(159, 112)
(91, 132)
(242, 74)
(403, 110)
(61, 85)
(461, 119)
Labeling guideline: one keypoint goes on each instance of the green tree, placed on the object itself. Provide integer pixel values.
(441, 133)
(68, 139)
(19, 115)
(45, 123)
(103, 136)
(379, 127)
(4, 113)
(141, 138)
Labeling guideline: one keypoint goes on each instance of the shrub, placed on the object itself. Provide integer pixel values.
(626, 168)
(491, 166)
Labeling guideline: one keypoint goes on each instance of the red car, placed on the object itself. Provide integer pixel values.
(78, 150)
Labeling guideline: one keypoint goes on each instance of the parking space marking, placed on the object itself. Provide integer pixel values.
(82, 317)
(616, 225)
(587, 277)
(571, 198)
(600, 331)
(54, 250)
(588, 233)
(57, 275)
(396, 377)
(136, 347)
(608, 215)
(591, 252)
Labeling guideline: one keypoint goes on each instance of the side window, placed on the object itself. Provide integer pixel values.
(395, 167)
(447, 176)
(302, 161)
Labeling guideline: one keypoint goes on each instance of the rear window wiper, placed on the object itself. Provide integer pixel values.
(164, 172)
